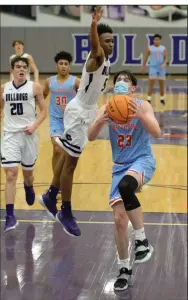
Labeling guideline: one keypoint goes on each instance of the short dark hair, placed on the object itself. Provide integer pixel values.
(63, 55)
(103, 28)
(128, 74)
(19, 58)
(17, 41)
(157, 36)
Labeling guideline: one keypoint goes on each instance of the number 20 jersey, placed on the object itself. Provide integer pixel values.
(19, 106)
(129, 141)
(93, 83)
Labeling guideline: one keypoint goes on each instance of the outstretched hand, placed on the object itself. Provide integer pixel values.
(102, 116)
(97, 14)
(135, 108)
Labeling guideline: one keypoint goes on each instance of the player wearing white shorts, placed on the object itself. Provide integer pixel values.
(79, 114)
(19, 142)
(18, 46)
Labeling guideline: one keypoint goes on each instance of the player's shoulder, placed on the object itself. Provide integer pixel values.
(6, 87)
(27, 55)
(51, 78)
(36, 85)
(12, 56)
(6, 84)
(48, 79)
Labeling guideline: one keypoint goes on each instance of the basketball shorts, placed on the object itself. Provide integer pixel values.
(157, 72)
(145, 167)
(77, 120)
(56, 126)
(18, 147)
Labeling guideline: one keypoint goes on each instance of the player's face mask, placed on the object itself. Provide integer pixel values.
(121, 87)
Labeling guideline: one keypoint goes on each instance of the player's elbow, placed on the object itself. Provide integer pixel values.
(90, 139)
(43, 113)
(91, 136)
(95, 50)
(156, 132)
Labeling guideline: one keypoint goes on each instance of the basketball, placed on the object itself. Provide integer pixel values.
(117, 109)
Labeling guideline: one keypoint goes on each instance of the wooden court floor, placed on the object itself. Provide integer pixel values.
(165, 193)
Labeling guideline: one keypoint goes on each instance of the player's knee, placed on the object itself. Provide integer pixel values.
(127, 187)
(120, 221)
(57, 149)
(70, 164)
(28, 174)
(11, 174)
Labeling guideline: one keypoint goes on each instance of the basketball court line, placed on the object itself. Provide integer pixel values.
(99, 222)
(175, 187)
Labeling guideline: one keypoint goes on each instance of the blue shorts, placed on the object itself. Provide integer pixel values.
(157, 72)
(56, 126)
(145, 167)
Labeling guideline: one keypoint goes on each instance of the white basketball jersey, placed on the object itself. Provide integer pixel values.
(19, 107)
(92, 84)
(26, 55)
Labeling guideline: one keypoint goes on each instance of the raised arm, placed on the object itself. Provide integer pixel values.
(96, 49)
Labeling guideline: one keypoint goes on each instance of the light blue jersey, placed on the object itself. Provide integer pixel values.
(60, 95)
(156, 57)
(129, 141)
(131, 151)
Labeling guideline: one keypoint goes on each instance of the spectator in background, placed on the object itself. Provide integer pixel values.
(18, 46)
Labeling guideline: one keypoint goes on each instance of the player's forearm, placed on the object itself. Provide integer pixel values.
(94, 130)
(145, 60)
(166, 60)
(151, 125)
(41, 117)
(94, 38)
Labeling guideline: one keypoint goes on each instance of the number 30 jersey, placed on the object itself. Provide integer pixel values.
(93, 83)
(129, 141)
(19, 106)
(60, 95)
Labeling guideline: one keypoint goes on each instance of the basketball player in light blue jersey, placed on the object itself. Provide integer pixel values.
(133, 167)
(62, 88)
(158, 59)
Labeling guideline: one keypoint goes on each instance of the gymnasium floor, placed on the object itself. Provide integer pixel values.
(39, 261)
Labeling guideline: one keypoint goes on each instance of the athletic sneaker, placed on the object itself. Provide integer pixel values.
(143, 251)
(10, 223)
(48, 204)
(29, 194)
(162, 102)
(123, 277)
(69, 224)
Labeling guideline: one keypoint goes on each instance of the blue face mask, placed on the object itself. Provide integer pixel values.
(121, 87)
